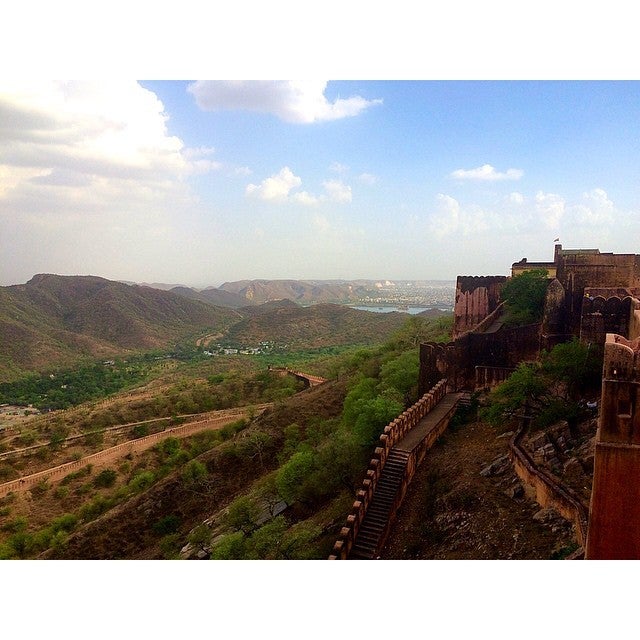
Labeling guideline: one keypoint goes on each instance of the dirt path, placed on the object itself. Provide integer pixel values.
(451, 511)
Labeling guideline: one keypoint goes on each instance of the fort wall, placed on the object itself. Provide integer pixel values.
(615, 497)
(56, 474)
(457, 361)
(581, 269)
(548, 491)
(476, 297)
(390, 436)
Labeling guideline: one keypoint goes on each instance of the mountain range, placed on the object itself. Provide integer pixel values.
(56, 321)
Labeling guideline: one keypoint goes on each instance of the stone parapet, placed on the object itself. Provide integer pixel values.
(390, 435)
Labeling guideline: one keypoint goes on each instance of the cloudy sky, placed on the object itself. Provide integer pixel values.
(198, 182)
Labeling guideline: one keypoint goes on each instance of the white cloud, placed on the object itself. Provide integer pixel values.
(291, 101)
(277, 187)
(78, 133)
(549, 209)
(516, 198)
(302, 197)
(321, 223)
(281, 187)
(337, 191)
(367, 178)
(199, 162)
(487, 173)
(90, 178)
(595, 208)
(450, 217)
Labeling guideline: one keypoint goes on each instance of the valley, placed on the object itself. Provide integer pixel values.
(206, 447)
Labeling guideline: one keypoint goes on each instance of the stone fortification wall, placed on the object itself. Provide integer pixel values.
(549, 491)
(309, 380)
(457, 361)
(615, 497)
(476, 297)
(554, 319)
(608, 311)
(107, 455)
(577, 270)
(390, 436)
(489, 377)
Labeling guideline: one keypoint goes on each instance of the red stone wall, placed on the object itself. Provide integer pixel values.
(577, 271)
(614, 521)
(476, 298)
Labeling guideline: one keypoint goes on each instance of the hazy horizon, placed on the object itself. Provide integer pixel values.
(215, 181)
(219, 284)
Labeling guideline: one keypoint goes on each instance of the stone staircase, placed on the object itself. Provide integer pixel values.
(376, 519)
(464, 400)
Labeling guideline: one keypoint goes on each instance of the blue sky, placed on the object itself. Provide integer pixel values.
(202, 182)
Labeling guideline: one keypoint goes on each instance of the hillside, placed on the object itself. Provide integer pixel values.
(131, 530)
(58, 320)
(212, 296)
(259, 291)
(268, 307)
(317, 326)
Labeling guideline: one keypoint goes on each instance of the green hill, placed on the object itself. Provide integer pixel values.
(316, 326)
(59, 320)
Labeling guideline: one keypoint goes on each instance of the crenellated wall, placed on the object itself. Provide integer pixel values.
(309, 380)
(581, 269)
(391, 435)
(608, 311)
(489, 377)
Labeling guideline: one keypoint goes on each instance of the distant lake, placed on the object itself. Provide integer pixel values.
(411, 310)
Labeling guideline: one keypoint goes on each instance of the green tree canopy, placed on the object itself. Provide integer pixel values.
(550, 389)
(524, 297)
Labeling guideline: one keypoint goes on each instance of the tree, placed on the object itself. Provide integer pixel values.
(402, 374)
(551, 389)
(292, 477)
(232, 547)
(524, 296)
(525, 386)
(576, 365)
(243, 514)
(193, 473)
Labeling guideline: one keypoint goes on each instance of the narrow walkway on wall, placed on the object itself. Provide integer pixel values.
(387, 496)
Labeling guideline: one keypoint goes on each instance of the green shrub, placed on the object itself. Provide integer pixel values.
(292, 477)
(524, 296)
(66, 522)
(242, 514)
(193, 473)
(61, 492)
(142, 480)
(140, 430)
(41, 488)
(167, 525)
(170, 546)
(232, 547)
(17, 525)
(106, 478)
(200, 535)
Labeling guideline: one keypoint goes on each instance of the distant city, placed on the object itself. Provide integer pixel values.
(410, 295)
